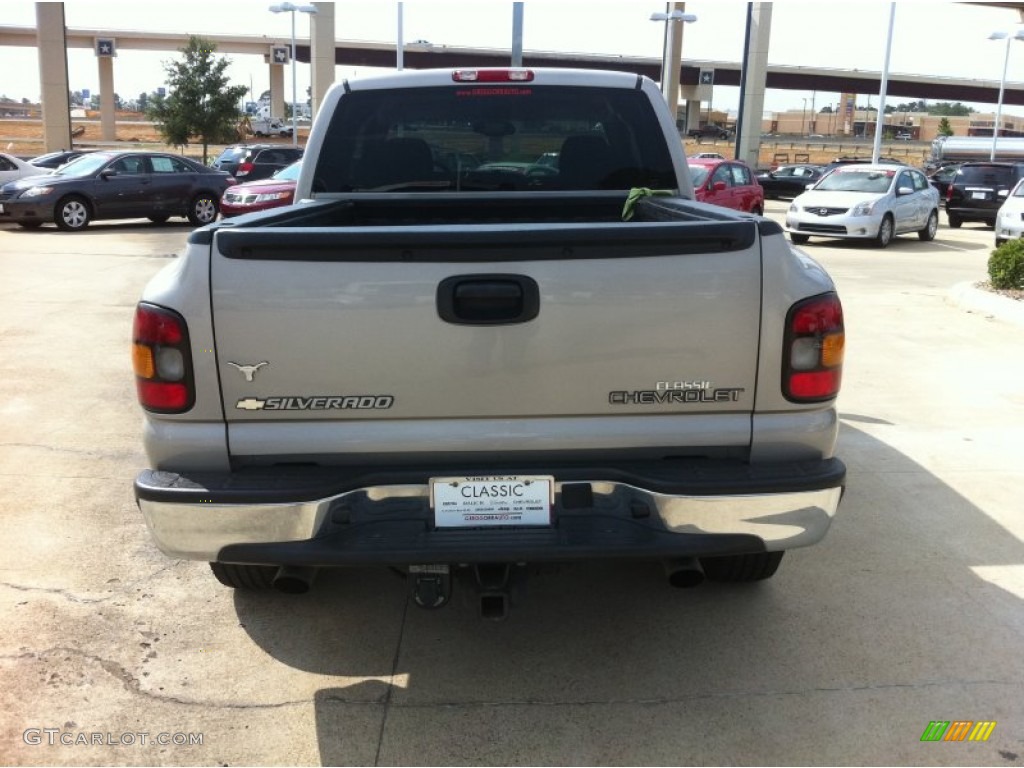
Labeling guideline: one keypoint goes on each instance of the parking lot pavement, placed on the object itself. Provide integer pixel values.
(909, 612)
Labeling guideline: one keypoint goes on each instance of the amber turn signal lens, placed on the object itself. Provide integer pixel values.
(832, 347)
(142, 361)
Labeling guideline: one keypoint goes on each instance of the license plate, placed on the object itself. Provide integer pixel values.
(472, 502)
(979, 195)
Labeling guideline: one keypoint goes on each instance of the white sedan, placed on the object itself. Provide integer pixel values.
(12, 168)
(866, 202)
(1010, 218)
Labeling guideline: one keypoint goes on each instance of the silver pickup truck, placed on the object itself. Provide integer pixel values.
(495, 330)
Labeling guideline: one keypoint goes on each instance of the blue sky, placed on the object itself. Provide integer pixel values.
(843, 35)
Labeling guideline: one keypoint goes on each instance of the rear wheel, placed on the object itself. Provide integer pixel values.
(253, 577)
(928, 233)
(202, 210)
(954, 221)
(30, 224)
(798, 239)
(884, 236)
(741, 568)
(757, 210)
(159, 219)
(72, 214)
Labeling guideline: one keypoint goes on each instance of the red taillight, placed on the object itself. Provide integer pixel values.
(156, 327)
(244, 169)
(812, 369)
(949, 191)
(160, 396)
(162, 360)
(492, 75)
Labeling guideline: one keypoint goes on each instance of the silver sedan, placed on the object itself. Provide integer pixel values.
(866, 202)
(12, 168)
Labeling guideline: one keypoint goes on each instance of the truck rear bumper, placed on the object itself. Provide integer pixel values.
(340, 516)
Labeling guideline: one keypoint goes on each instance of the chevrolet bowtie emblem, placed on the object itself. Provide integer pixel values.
(249, 371)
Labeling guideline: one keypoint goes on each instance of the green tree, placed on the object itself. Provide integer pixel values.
(943, 108)
(200, 102)
(945, 129)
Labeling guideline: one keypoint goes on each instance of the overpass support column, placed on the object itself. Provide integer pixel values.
(691, 109)
(671, 61)
(321, 52)
(277, 90)
(53, 75)
(108, 116)
(756, 54)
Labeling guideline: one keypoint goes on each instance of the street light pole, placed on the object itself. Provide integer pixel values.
(400, 40)
(1008, 36)
(292, 8)
(803, 120)
(669, 68)
(876, 150)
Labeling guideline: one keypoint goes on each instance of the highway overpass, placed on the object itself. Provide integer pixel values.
(53, 38)
(359, 53)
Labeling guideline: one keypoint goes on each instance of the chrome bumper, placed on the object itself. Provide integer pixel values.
(391, 522)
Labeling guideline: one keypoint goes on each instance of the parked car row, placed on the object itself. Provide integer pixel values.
(848, 198)
(104, 185)
(116, 185)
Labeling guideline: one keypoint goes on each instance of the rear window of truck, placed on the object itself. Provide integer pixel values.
(477, 137)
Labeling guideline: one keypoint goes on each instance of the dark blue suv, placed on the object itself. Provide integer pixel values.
(978, 190)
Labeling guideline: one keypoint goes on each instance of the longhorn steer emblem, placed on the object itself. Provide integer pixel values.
(249, 371)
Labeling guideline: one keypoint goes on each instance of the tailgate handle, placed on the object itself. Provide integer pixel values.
(488, 299)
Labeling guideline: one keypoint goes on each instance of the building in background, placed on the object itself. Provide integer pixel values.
(841, 121)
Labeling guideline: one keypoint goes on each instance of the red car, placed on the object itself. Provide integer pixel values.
(729, 183)
(261, 194)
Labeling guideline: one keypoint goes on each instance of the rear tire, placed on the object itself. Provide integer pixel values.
(741, 568)
(250, 577)
(999, 241)
(72, 213)
(954, 221)
(928, 233)
(798, 239)
(30, 224)
(757, 210)
(158, 219)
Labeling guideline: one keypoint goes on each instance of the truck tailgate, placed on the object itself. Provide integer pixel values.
(381, 325)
